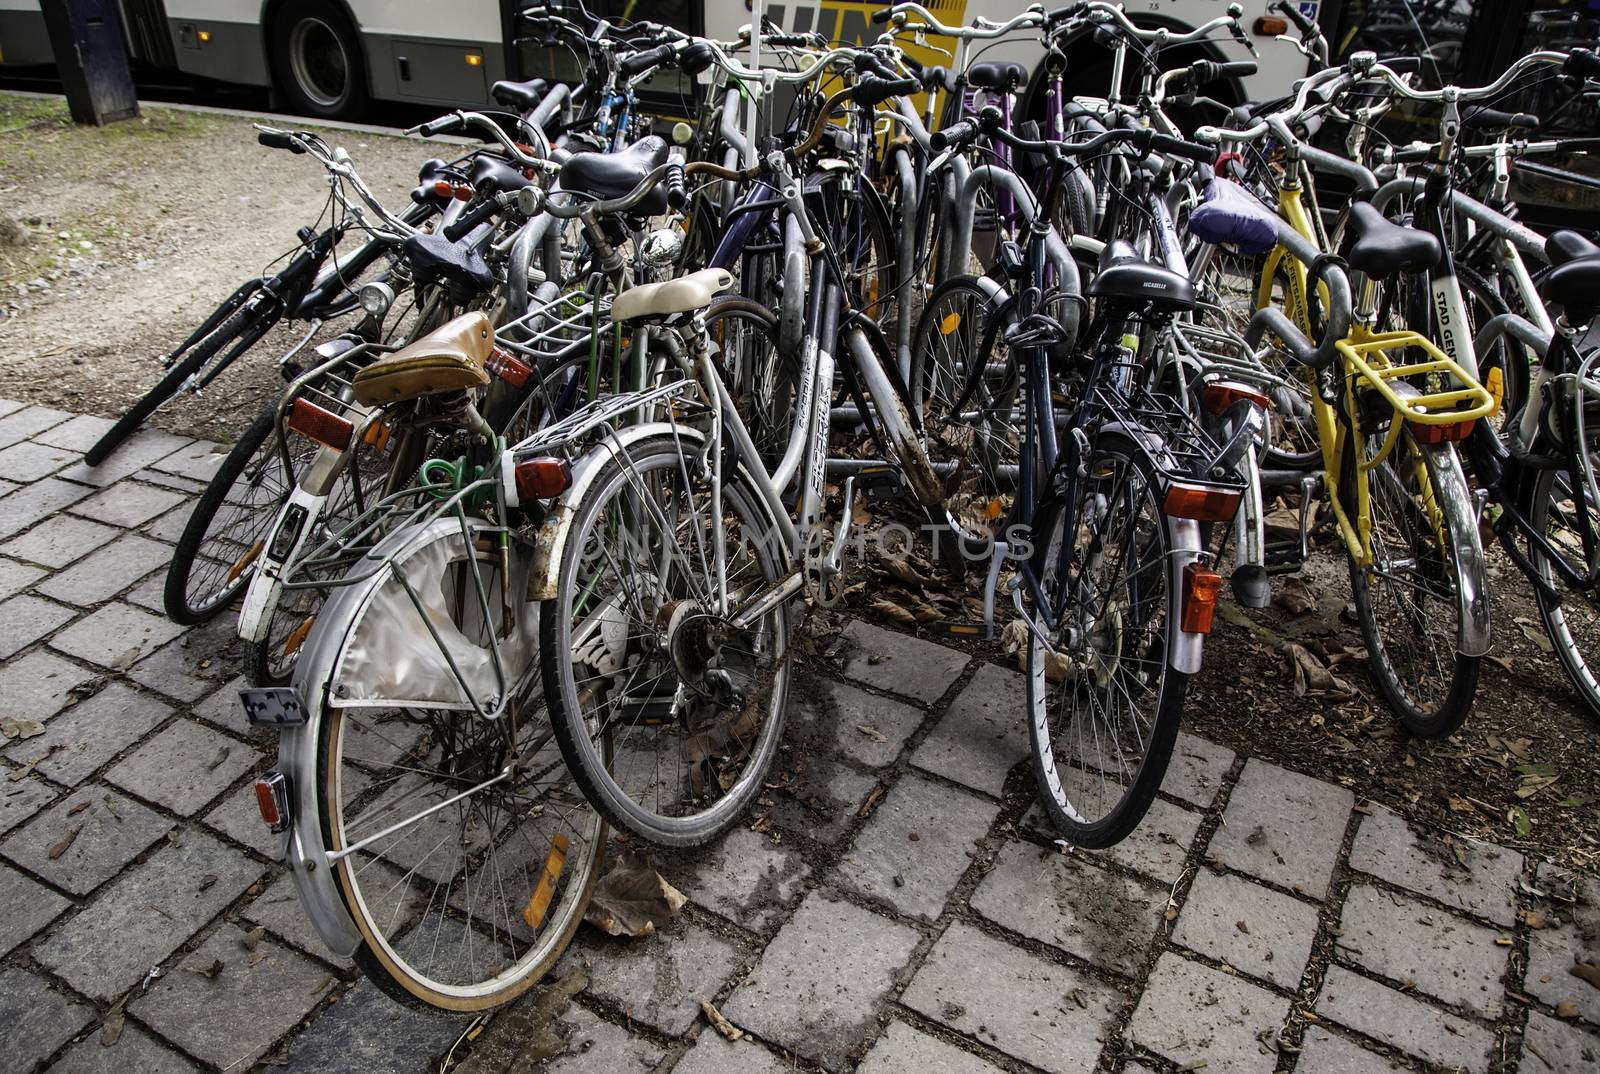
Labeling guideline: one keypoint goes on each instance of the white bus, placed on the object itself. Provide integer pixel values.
(331, 58)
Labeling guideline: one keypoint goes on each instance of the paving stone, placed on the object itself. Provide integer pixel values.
(28, 422)
(26, 619)
(78, 741)
(1102, 917)
(108, 571)
(35, 503)
(8, 487)
(170, 481)
(1157, 847)
(366, 1031)
(37, 685)
(115, 636)
(239, 818)
(193, 666)
(1052, 1016)
(233, 1016)
(29, 907)
(919, 841)
(898, 662)
(1404, 1022)
(1571, 935)
(821, 978)
(1442, 955)
(129, 504)
(1283, 827)
(1251, 928)
(743, 876)
(198, 461)
(15, 577)
(146, 914)
(60, 541)
(1387, 847)
(21, 799)
(78, 433)
(822, 797)
(138, 451)
(34, 1020)
(279, 911)
(170, 526)
(85, 839)
(148, 593)
(29, 461)
(598, 1047)
(136, 1052)
(983, 735)
(903, 1048)
(1326, 1053)
(1558, 1046)
(184, 767)
(829, 716)
(224, 709)
(1191, 1013)
(658, 980)
(715, 1054)
(10, 406)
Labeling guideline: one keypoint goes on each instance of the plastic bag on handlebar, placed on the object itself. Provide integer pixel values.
(1230, 214)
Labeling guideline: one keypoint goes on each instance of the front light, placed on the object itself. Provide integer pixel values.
(376, 298)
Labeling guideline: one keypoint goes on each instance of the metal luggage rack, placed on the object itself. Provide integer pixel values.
(549, 332)
(1216, 350)
(1188, 450)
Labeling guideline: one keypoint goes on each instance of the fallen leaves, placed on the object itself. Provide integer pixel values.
(1311, 678)
(20, 729)
(893, 612)
(719, 1022)
(632, 898)
(1587, 972)
(65, 844)
(1294, 596)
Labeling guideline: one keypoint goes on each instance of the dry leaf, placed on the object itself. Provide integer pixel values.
(903, 572)
(66, 842)
(1586, 971)
(1294, 596)
(1534, 920)
(894, 612)
(1311, 678)
(253, 938)
(632, 897)
(719, 1023)
(872, 732)
(21, 728)
(1567, 1009)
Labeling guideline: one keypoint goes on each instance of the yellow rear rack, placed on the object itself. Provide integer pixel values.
(1367, 353)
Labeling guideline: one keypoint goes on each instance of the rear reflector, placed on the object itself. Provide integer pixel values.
(508, 367)
(542, 478)
(1441, 434)
(1203, 503)
(272, 799)
(323, 426)
(1201, 585)
(1270, 26)
(545, 888)
(1219, 395)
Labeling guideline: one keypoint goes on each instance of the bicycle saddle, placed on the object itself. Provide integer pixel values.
(1575, 286)
(1382, 247)
(448, 359)
(1564, 246)
(519, 95)
(1229, 213)
(611, 175)
(1123, 274)
(995, 75)
(435, 259)
(501, 176)
(692, 292)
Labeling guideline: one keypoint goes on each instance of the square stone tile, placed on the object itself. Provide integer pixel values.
(148, 593)
(195, 665)
(1197, 770)
(38, 685)
(129, 503)
(821, 979)
(35, 503)
(239, 818)
(146, 914)
(1440, 954)
(743, 876)
(35, 1020)
(60, 541)
(26, 619)
(1157, 847)
(1283, 827)
(170, 526)
(1053, 1016)
(1387, 848)
(78, 741)
(233, 1017)
(1191, 1013)
(898, 662)
(368, 1032)
(136, 1052)
(28, 422)
(1404, 1022)
(15, 577)
(78, 434)
(29, 460)
(115, 636)
(658, 980)
(715, 1054)
(1321, 1050)
(138, 451)
(21, 799)
(1571, 935)
(905, 1049)
(225, 710)
(821, 796)
(199, 461)
(85, 839)
(278, 909)
(183, 767)
(1558, 1046)
(1251, 928)
(916, 846)
(153, 476)
(835, 718)
(1102, 917)
(595, 1046)
(984, 733)
(29, 907)
(108, 571)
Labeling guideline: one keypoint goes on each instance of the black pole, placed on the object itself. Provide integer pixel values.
(92, 58)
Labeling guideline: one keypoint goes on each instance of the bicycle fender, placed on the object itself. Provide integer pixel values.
(266, 584)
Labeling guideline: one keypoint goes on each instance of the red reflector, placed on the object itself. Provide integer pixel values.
(1201, 585)
(542, 478)
(272, 799)
(1441, 434)
(1219, 395)
(1203, 503)
(442, 188)
(462, 191)
(323, 426)
(508, 367)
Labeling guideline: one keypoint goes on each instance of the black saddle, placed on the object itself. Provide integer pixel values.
(611, 175)
(1124, 275)
(435, 259)
(1382, 247)
(1575, 286)
(993, 75)
(497, 175)
(1564, 246)
(522, 96)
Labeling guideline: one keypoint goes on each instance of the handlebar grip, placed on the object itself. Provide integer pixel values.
(867, 63)
(873, 90)
(786, 40)
(1177, 147)
(1493, 117)
(1291, 11)
(1403, 65)
(881, 16)
(279, 140)
(955, 136)
(472, 218)
(442, 125)
(677, 196)
(1061, 14)
(1583, 63)
(1236, 69)
(640, 62)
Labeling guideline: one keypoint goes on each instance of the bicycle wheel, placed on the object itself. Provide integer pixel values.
(1572, 620)
(764, 380)
(469, 855)
(1425, 551)
(241, 325)
(668, 713)
(1104, 701)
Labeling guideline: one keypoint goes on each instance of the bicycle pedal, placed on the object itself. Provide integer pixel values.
(959, 628)
(881, 483)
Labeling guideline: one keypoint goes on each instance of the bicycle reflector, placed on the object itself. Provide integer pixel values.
(1201, 585)
(1424, 433)
(508, 367)
(272, 799)
(1203, 503)
(542, 478)
(324, 426)
(1219, 395)
(446, 189)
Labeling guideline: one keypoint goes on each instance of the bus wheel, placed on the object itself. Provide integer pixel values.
(317, 60)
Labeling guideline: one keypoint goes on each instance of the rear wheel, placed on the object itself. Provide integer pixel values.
(1573, 620)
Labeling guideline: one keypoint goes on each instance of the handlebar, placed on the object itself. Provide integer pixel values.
(1493, 117)
(278, 140)
(1292, 12)
(640, 62)
(1033, 17)
(1144, 140)
(1582, 63)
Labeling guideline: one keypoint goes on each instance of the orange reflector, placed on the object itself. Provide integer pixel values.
(1203, 503)
(377, 435)
(1201, 585)
(1441, 434)
(544, 890)
(244, 561)
(443, 188)
(323, 426)
(542, 478)
(1495, 385)
(1270, 26)
(508, 367)
(292, 643)
(949, 323)
(1219, 395)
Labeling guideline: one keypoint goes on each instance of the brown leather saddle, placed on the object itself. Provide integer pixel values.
(448, 359)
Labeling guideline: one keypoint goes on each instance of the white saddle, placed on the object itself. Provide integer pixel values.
(692, 292)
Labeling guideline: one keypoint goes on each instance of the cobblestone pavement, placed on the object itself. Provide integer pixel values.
(895, 907)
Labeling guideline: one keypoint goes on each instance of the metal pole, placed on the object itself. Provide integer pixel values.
(753, 103)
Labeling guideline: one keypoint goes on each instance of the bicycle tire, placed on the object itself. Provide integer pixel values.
(1555, 612)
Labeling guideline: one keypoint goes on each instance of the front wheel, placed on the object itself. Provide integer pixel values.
(1572, 620)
